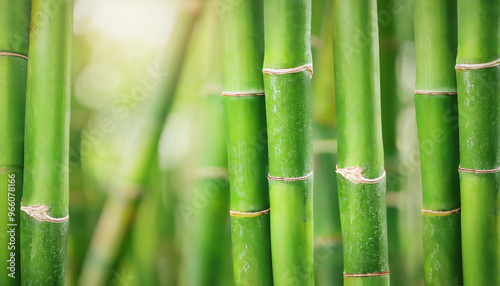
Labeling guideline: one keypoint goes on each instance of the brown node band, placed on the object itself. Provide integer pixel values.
(249, 214)
(307, 67)
(8, 169)
(440, 213)
(432, 92)
(241, 94)
(367, 274)
(460, 169)
(12, 54)
(355, 175)
(477, 66)
(302, 178)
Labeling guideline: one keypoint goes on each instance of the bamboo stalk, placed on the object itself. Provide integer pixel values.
(478, 84)
(436, 101)
(287, 80)
(44, 216)
(119, 210)
(14, 28)
(361, 175)
(242, 35)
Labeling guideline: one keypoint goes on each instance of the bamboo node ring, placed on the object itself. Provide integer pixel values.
(13, 54)
(39, 213)
(367, 274)
(355, 175)
(241, 94)
(440, 213)
(307, 67)
(460, 169)
(249, 214)
(433, 92)
(301, 178)
(477, 66)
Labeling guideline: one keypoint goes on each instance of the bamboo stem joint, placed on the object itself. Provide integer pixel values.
(308, 67)
(39, 213)
(460, 169)
(478, 66)
(13, 54)
(302, 178)
(249, 214)
(355, 175)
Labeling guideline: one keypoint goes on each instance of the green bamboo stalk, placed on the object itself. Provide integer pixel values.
(327, 233)
(361, 175)
(14, 31)
(478, 85)
(287, 81)
(44, 218)
(119, 210)
(242, 36)
(389, 48)
(436, 108)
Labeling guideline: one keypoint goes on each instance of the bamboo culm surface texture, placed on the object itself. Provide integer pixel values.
(478, 85)
(287, 81)
(44, 214)
(242, 36)
(14, 28)
(437, 118)
(361, 175)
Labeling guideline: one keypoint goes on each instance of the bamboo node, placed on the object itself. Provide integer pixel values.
(39, 213)
(460, 169)
(241, 94)
(355, 175)
(308, 67)
(367, 274)
(433, 92)
(249, 214)
(301, 178)
(13, 54)
(440, 213)
(477, 66)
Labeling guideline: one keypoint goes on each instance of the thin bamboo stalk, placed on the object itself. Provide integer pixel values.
(242, 35)
(287, 81)
(436, 108)
(389, 48)
(44, 218)
(361, 175)
(478, 85)
(119, 210)
(327, 233)
(14, 28)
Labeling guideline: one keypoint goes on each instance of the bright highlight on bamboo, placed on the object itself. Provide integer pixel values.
(478, 83)
(14, 20)
(361, 175)
(287, 80)
(44, 210)
(436, 100)
(242, 35)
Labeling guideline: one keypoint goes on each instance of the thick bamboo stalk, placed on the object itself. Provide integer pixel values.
(14, 31)
(478, 84)
(287, 80)
(44, 216)
(242, 36)
(119, 210)
(435, 103)
(361, 175)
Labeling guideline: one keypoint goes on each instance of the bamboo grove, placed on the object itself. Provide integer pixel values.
(238, 142)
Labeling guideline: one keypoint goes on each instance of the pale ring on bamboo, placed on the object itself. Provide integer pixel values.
(383, 273)
(249, 214)
(460, 169)
(355, 175)
(433, 92)
(241, 94)
(477, 66)
(440, 213)
(301, 178)
(13, 54)
(307, 67)
(39, 213)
